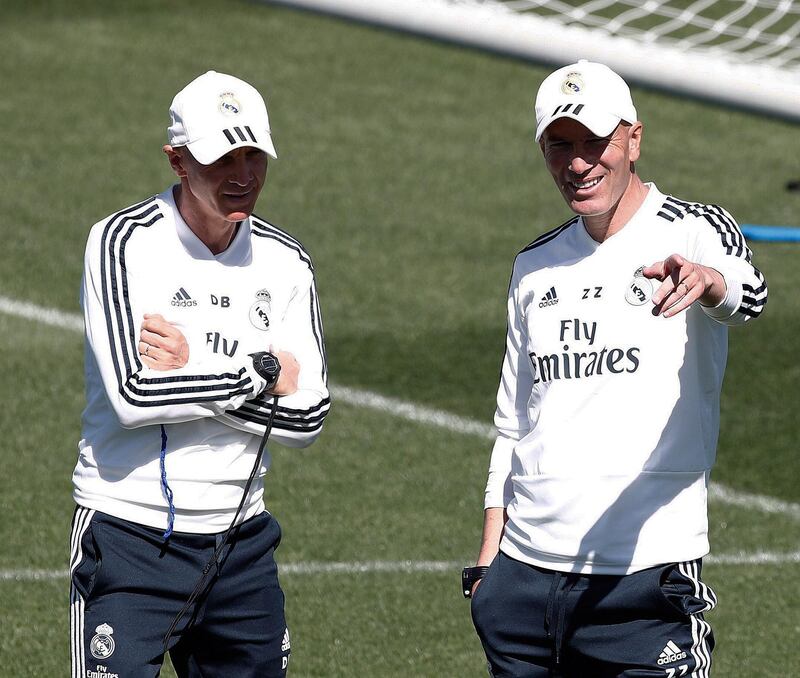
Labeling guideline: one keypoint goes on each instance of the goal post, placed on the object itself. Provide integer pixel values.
(743, 54)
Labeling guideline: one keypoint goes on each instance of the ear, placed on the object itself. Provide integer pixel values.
(175, 160)
(635, 141)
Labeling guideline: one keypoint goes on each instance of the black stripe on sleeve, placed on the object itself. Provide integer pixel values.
(263, 402)
(134, 364)
(121, 327)
(264, 229)
(109, 288)
(670, 212)
(550, 235)
(732, 239)
(188, 400)
(316, 325)
(288, 419)
(730, 235)
(139, 386)
(733, 231)
(754, 299)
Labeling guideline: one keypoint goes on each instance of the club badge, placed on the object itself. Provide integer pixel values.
(573, 83)
(102, 644)
(261, 310)
(229, 104)
(640, 289)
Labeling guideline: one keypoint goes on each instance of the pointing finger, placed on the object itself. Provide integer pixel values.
(655, 270)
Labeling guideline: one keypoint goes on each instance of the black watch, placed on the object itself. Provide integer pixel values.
(469, 575)
(268, 367)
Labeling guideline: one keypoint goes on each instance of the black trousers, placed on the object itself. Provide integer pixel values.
(127, 585)
(537, 623)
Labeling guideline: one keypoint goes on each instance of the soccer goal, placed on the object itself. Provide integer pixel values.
(743, 53)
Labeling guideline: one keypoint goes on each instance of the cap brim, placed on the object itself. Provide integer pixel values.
(600, 123)
(211, 149)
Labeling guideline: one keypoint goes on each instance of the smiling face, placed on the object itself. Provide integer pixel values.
(222, 193)
(593, 173)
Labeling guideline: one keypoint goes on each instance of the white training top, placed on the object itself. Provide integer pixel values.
(258, 293)
(607, 415)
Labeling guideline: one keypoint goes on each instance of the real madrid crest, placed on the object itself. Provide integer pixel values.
(640, 289)
(261, 310)
(573, 83)
(229, 104)
(102, 644)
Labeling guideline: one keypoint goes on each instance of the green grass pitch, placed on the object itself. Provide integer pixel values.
(408, 170)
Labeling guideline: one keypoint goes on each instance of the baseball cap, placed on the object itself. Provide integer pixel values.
(217, 113)
(588, 92)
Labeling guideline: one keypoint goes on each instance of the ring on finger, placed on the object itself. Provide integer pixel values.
(147, 350)
(685, 287)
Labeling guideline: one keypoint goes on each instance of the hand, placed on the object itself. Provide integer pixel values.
(290, 370)
(162, 346)
(684, 282)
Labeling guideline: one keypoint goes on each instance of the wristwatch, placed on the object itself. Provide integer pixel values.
(268, 367)
(469, 575)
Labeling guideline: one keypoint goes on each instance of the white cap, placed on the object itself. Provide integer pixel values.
(217, 113)
(588, 92)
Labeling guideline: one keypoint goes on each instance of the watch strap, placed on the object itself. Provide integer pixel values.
(271, 377)
(469, 575)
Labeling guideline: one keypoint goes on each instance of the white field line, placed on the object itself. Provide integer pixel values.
(411, 566)
(726, 495)
(48, 316)
(412, 412)
(757, 558)
(424, 415)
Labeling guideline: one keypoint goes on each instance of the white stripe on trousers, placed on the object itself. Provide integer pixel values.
(701, 629)
(80, 523)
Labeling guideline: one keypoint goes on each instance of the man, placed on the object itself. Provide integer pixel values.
(608, 409)
(203, 336)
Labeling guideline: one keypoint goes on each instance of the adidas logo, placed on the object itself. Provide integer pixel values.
(549, 299)
(670, 653)
(182, 298)
(285, 645)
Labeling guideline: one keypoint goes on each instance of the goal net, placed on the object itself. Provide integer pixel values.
(743, 53)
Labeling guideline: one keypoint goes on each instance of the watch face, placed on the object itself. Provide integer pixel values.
(268, 367)
(269, 364)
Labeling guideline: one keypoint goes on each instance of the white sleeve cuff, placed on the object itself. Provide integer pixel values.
(498, 484)
(729, 304)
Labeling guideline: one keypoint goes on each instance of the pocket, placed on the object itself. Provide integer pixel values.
(475, 609)
(482, 586)
(84, 576)
(683, 591)
(476, 592)
(275, 528)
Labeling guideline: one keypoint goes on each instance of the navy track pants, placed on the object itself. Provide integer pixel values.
(127, 585)
(537, 623)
